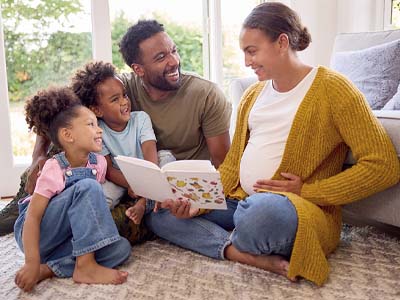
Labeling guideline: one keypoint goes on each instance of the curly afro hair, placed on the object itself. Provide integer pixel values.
(142, 30)
(51, 109)
(85, 81)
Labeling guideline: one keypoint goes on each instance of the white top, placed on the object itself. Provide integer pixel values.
(270, 121)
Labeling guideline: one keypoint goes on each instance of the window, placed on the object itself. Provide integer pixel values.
(44, 41)
(233, 59)
(185, 29)
(391, 14)
(395, 15)
(41, 43)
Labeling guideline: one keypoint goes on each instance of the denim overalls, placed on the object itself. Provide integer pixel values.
(76, 222)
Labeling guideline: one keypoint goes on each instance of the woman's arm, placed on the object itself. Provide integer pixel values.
(28, 275)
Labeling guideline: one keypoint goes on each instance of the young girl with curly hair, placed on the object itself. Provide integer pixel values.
(65, 228)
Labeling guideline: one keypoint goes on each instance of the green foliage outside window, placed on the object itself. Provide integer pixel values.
(36, 58)
(396, 13)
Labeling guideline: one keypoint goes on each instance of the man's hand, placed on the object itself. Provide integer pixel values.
(293, 184)
(180, 208)
(27, 277)
(33, 174)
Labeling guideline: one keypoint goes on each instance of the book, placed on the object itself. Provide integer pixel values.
(195, 180)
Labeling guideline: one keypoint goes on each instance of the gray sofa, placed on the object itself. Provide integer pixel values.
(383, 207)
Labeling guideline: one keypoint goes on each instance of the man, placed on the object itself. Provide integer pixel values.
(190, 115)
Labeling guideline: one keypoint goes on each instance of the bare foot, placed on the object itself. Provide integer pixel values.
(99, 274)
(87, 270)
(136, 212)
(45, 272)
(272, 263)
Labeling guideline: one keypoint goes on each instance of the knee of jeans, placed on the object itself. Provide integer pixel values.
(88, 185)
(265, 210)
(124, 248)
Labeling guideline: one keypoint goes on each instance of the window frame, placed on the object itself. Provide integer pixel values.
(387, 15)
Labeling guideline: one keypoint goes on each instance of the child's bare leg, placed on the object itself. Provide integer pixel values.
(136, 212)
(87, 270)
(272, 263)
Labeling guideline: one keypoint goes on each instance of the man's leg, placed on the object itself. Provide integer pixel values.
(207, 235)
(9, 214)
(134, 233)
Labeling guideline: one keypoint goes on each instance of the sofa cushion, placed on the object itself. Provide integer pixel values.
(361, 40)
(375, 71)
(394, 103)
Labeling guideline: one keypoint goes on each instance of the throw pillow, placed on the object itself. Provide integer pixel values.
(394, 103)
(375, 71)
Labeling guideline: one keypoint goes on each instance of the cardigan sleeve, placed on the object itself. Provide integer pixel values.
(377, 166)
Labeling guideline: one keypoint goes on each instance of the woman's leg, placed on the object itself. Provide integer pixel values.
(265, 229)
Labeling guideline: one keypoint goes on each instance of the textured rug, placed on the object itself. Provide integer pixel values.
(366, 265)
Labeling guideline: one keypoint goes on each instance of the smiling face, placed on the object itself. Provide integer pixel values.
(83, 135)
(261, 54)
(160, 63)
(113, 105)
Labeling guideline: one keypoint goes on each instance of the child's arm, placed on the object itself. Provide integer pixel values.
(149, 150)
(28, 275)
(115, 175)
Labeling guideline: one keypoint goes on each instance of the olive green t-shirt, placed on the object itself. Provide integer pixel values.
(183, 121)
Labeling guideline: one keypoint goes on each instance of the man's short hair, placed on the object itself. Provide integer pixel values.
(129, 45)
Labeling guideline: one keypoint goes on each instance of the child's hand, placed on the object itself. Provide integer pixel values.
(27, 277)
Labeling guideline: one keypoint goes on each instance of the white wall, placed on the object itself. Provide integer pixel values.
(319, 16)
(360, 15)
(326, 18)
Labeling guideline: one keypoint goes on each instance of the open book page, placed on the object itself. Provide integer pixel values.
(145, 178)
(189, 165)
(195, 180)
(203, 189)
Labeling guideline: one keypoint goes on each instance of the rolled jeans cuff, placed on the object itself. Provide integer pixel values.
(100, 244)
(227, 243)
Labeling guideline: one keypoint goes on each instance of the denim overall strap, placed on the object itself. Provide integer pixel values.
(92, 158)
(75, 174)
(62, 160)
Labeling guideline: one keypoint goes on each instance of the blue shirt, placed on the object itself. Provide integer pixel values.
(129, 141)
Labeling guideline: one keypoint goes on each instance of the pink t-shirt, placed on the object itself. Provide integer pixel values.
(51, 180)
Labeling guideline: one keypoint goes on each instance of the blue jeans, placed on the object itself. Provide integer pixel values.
(76, 222)
(264, 223)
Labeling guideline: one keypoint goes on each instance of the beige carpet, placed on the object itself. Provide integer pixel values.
(365, 266)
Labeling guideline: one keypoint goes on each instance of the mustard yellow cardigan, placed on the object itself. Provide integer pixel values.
(332, 118)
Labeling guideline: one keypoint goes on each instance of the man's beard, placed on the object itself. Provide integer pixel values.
(161, 83)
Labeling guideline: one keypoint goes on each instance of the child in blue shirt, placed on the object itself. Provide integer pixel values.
(124, 132)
